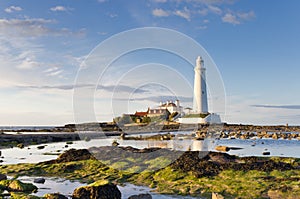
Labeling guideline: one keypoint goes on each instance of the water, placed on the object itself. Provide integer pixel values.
(66, 187)
(16, 128)
(31, 154)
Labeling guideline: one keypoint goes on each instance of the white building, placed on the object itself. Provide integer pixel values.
(169, 106)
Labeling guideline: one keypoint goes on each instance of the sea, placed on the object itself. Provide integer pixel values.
(181, 142)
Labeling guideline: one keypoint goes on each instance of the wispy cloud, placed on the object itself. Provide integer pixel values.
(109, 88)
(158, 12)
(185, 13)
(58, 9)
(238, 18)
(277, 106)
(160, 1)
(162, 98)
(13, 9)
(230, 18)
(32, 27)
(215, 9)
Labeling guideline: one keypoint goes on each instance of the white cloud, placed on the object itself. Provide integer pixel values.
(246, 15)
(58, 9)
(13, 9)
(205, 21)
(28, 63)
(237, 18)
(160, 1)
(158, 12)
(32, 27)
(186, 14)
(230, 18)
(215, 9)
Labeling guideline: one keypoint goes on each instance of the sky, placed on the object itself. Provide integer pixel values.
(254, 45)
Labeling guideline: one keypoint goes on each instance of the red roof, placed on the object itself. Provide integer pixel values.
(140, 114)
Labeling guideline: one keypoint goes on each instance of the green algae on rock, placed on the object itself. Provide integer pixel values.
(231, 176)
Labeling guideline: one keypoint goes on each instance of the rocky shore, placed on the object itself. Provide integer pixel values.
(193, 173)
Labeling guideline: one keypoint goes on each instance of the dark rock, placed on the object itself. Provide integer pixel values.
(266, 153)
(39, 180)
(104, 191)
(3, 177)
(141, 196)
(73, 155)
(54, 196)
(41, 147)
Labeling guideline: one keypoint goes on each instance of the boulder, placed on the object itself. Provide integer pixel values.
(3, 177)
(40, 147)
(21, 145)
(141, 196)
(18, 186)
(54, 196)
(100, 190)
(74, 155)
(39, 180)
(222, 148)
(216, 196)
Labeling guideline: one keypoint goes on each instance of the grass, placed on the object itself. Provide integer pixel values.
(229, 183)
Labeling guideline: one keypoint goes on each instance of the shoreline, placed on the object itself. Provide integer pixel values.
(227, 175)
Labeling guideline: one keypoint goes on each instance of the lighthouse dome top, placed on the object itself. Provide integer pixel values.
(199, 62)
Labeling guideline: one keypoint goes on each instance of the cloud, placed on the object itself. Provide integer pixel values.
(160, 1)
(230, 18)
(246, 15)
(186, 14)
(13, 9)
(109, 88)
(163, 98)
(28, 63)
(58, 9)
(158, 12)
(277, 106)
(32, 27)
(237, 18)
(215, 10)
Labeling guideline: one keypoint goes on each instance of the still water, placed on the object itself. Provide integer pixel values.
(31, 154)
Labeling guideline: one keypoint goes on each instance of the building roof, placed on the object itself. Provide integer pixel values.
(141, 114)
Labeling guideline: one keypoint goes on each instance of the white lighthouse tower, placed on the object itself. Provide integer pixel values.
(200, 94)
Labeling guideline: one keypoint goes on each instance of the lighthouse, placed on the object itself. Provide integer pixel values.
(200, 94)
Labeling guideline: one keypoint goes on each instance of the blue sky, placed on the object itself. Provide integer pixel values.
(255, 45)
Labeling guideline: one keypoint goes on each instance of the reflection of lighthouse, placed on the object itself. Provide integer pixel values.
(200, 94)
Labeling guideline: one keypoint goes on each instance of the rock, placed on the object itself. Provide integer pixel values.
(222, 148)
(216, 196)
(266, 153)
(21, 145)
(100, 190)
(18, 186)
(72, 155)
(3, 177)
(115, 143)
(141, 196)
(39, 180)
(41, 147)
(54, 196)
